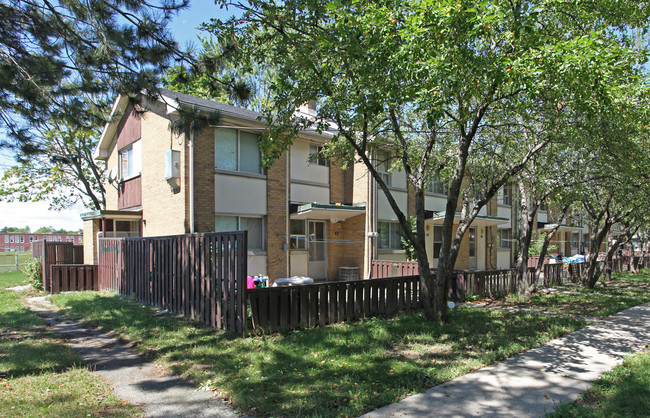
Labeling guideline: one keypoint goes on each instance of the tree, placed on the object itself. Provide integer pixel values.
(13, 229)
(63, 172)
(446, 86)
(55, 56)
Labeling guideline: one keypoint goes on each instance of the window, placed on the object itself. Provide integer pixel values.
(543, 207)
(22, 239)
(507, 196)
(436, 185)
(254, 226)
(314, 158)
(575, 238)
(6, 239)
(237, 150)
(11, 239)
(437, 240)
(297, 230)
(383, 166)
(504, 239)
(22, 248)
(390, 236)
(130, 161)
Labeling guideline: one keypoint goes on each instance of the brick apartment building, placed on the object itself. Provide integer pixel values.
(19, 241)
(304, 217)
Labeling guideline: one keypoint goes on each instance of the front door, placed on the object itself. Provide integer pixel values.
(317, 250)
(472, 248)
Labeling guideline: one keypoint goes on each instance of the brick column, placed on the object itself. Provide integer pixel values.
(277, 208)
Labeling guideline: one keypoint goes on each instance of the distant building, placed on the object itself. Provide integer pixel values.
(20, 241)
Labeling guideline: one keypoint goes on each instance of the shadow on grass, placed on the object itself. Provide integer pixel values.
(341, 369)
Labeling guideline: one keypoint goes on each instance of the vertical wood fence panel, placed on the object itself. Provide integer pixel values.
(202, 276)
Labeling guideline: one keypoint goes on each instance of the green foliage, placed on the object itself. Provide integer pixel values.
(61, 171)
(13, 229)
(537, 242)
(469, 94)
(406, 244)
(34, 272)
(58, 55)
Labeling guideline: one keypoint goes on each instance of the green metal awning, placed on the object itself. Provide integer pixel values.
(332, 213)
(481, 220)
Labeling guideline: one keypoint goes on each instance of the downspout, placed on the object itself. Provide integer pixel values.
(287, 184)
(191, 180)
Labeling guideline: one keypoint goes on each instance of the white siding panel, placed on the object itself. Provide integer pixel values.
(302, 170)
(299, 263)
(435, 203)
(239, 195)
(504, 211)
(257, 265)
(385, 212)
(311, 194)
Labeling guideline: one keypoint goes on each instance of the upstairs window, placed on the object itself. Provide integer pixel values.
(437, 240)
(131, 161)
(543, 207)
(436, 185)
(314, 150)
(237, 150)
(382, 165)
(506, 197)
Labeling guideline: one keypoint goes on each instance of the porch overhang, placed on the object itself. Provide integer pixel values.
(481, 220)
(562, 228)
(120, 215)
(332, 213)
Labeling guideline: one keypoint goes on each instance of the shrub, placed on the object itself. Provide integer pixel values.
(33, 271)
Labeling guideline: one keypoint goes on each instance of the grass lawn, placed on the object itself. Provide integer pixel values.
(39, 375)
(587, 304)
(8, 261)
(622, 284)
(623, 392)
(345, 369)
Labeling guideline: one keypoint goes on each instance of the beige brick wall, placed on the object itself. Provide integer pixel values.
(360, 186)
(337, 184)
(204, 178)
(276, 220)
(90, 229)
(163, 209)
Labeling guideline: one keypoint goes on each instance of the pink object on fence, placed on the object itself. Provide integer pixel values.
(250, 284)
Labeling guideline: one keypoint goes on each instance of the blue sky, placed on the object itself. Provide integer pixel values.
(36, 215)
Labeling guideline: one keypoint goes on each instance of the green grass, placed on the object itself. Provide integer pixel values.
(587, 304)
(39, 375)
(8, 260)
(345, 369)
(14, 278)
(623, 392)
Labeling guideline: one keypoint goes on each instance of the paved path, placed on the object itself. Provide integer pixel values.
(535, 382)
(133, 378)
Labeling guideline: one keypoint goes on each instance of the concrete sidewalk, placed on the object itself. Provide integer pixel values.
(533, 383)
(134, 379)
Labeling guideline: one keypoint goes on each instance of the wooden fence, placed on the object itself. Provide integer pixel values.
(65, 277)
(387, 268)
(327, 303)
(55, 253)
(202, 276)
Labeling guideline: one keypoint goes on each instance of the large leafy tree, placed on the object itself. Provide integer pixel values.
(62, 173)
(445, 85)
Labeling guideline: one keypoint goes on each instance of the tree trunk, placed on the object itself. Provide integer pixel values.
(525, 286)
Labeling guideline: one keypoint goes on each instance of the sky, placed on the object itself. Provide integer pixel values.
(37, 214)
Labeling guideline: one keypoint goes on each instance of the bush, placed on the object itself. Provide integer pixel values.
(34, 273)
